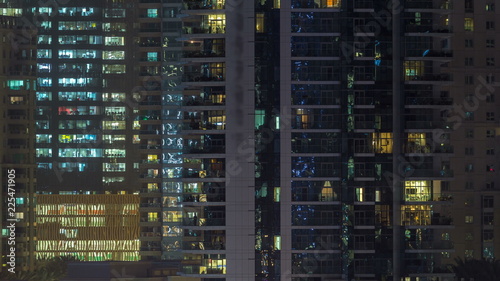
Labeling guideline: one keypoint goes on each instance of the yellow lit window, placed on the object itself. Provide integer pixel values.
(418, 191)
(152, 217)
(217, 23)
(413, 70)
(259, 23)
(469, 24)
(382, 142)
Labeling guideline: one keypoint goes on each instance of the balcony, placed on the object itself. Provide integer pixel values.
(203, 54)
(444, 77)
(199, 101)
(203, 5)
(424, 101)
(221, 197)
(364, 173)
(428, 29)
(421, 125)
(422, 55)
(428, 173)
(200, 245)
(204, 149)
(204, 30)
(426, 220)
(413, 148)
(428, 197)
(204, 126)
(364, 125)
(428, 4)
(194, 269)
(317, 125)
(197, 77)
(204, 222)
(191, 173)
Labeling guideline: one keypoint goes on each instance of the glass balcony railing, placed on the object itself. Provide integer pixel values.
(413, 148)
(428, 101)
(422, 173)
(201, 245)
(412, 28)
(425, 197)
(204, 5)
(430, 77)
(204, 222)
(428, 4)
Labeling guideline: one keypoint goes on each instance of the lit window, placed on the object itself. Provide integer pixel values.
(490, 7)
(259, 23)
(113, 55)
(113, 167)
(114, 13)
(15, 84)
(113, 125)
(469, 24)
(488, 253)
(114, 41)
(413, 69)
(44, 152)
(113, 68)
(469, 254)
(152, 13)
(113, 97)
(469, 219)
(152, 56)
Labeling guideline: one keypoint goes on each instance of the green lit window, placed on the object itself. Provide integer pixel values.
(15, 84)
(19, 201)
(152, 13)
(152, 56)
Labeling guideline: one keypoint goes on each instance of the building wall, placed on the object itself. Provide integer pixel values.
(17, 150)
(90, 227)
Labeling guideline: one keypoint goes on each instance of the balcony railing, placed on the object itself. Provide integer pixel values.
(199, 5)
(205, 149)
(203, 54)
(428, 173)
(413, 148)
(203, 246)
(425, 197)
(428, 29)
(204, 222)
(428, 4)
(428, 101)
(430, 77)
